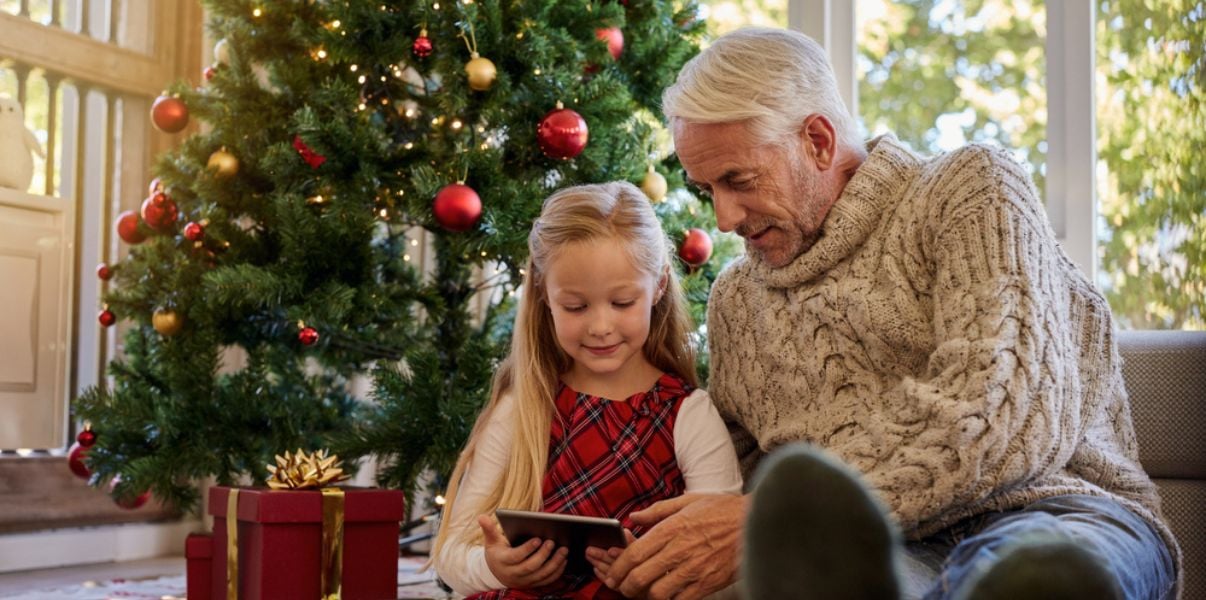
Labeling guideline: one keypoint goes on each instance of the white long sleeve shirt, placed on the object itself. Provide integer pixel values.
(702, 448)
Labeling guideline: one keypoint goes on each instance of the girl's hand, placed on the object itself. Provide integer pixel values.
(601, 558)
(531, 564)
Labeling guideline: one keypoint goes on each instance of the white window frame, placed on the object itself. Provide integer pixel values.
(1071, 124)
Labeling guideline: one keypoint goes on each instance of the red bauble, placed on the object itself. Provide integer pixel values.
(86, 438)
(169, 114)
(562, 133)
(130, 503)
(614, 38)
(457, 207)
(307, 336)
(422, 46)
(696, 248)
(75, 461)
(103, 272)
(127, 228)
(209, 72)
(106, 317)
(194, 231)
(159, 212)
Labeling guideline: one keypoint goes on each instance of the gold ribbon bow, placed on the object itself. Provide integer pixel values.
(299, 471)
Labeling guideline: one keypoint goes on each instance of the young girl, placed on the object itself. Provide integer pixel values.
(595, 411)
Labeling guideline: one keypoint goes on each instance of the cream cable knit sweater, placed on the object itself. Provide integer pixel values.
(939, 340)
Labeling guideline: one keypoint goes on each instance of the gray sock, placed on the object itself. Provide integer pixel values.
(1043, 568)
(815, 531)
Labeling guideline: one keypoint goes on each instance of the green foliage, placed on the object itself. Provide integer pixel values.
(1152, 128)
(980, 67)
(336, 247)
(980, 63)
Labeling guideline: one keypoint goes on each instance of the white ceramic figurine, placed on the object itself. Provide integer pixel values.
(16, 142)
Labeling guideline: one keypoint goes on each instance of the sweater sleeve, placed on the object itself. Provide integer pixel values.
(702, 447)
(1000, 401)
(463, 565)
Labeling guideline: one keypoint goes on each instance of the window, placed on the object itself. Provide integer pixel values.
(1060, 83)
(85, 73)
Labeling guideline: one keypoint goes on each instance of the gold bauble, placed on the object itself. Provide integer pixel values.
(481, 72)
(223, 163)
(167, 322)
(654, 185)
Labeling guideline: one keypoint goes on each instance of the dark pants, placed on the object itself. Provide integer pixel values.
(937, 566)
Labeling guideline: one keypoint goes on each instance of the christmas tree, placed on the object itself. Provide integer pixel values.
(334, 134)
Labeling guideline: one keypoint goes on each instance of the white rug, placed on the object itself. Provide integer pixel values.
(411, 584)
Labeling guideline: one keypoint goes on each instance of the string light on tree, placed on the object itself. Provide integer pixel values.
(562, 133)
(169, 114)
(457, 207)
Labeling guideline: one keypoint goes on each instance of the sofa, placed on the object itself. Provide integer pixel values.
(1165, 374)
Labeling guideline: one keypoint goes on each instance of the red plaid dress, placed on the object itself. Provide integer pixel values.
(607, 459)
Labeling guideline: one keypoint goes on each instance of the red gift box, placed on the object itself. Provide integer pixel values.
(280, 543)
(199, 556)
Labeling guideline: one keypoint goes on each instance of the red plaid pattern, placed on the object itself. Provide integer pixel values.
(607, 459)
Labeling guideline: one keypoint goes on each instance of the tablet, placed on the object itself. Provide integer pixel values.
(572, 531)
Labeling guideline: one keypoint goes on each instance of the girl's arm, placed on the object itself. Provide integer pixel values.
(460, 564)
(704, 448)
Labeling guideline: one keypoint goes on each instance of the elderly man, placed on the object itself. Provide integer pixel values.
(913, 322)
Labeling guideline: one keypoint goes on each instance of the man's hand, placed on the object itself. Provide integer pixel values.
(691, 551)
(527, 565)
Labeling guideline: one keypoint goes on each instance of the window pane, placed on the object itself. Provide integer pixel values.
(1151, 144)
(724, 16)
(942, 73)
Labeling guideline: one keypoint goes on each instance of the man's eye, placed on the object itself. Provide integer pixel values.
(744, 184)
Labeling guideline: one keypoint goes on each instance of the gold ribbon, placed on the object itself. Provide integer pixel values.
(332, 544)
(232, 545)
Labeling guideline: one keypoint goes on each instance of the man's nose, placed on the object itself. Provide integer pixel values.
(729, 212)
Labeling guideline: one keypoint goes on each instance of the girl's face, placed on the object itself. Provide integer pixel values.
(601, 305)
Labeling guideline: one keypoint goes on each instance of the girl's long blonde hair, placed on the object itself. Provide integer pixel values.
(531, 372)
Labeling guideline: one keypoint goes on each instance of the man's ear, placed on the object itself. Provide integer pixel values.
(818, 140)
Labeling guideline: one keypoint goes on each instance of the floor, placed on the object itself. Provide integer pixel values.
(158, 579)
(24, 582)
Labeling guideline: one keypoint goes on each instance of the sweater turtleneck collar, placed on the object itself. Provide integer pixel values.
(857, 211)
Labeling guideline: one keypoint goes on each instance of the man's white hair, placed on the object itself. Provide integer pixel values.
(773, 78)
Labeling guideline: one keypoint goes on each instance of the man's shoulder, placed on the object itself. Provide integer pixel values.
(976, 155)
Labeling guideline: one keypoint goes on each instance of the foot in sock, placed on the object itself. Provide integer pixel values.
(815, 531)
(1043, 568)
